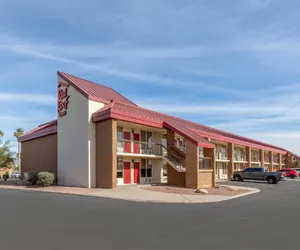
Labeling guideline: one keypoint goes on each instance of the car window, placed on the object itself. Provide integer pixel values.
(248, 170)
(282, 170)
(257, 170)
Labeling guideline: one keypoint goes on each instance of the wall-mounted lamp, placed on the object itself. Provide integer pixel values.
(132, 131)
(132, 160)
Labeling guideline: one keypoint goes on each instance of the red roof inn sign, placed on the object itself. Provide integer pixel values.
(63, 99)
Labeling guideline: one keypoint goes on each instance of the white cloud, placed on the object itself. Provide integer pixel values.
(28, 98)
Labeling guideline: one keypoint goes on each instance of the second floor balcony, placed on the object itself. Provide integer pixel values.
(221, 155)
(255, 158)
(139, 147)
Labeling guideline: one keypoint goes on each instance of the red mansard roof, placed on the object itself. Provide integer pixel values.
(195, 132)
(94, 91)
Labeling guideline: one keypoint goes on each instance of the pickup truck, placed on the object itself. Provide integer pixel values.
(257, 174)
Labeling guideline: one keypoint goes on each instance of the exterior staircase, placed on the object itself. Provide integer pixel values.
(174, 163)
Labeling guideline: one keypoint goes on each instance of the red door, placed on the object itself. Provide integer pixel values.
(127, 143)
(126, 174)
(136, 172)
(136, 138)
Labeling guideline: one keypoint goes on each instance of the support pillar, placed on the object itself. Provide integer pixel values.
(191, 165)
(262, 158)
(271, 161)
(231, 160)
(248, 156)
(211, 153)
(280, 161)
(289, 161)
(170, 138)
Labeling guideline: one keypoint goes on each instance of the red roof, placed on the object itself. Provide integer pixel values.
(119, 107)
(195, 132)
(94, 91)
(42, 130)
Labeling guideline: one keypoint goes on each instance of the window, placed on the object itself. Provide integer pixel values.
(248, 170)
(164, 169)
(201, 153)
(120, 168)
(146, 168)
(143, 168)
(204, 163)
(120, 135)
(149, 168)
(257, 170)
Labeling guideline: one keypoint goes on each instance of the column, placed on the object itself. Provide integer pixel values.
(280, 160)
(248, 156)
(271, 161)
(231, 160)
(170, 138)
(106, 154)
(211, 153)
(289, 161)
(191, 165)
(262, 158)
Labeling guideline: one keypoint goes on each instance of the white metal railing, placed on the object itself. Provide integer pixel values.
(276, 159)
(138, 147)
(239, 157)
(221, 155)
(182, 148)
(255, 158)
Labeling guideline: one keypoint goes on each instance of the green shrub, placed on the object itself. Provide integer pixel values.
(5, 176)
(31, 176)
(46, 178)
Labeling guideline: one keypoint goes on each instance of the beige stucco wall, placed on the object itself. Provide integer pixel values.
(76, 141)
(157, 171)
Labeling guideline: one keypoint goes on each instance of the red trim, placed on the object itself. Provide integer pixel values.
(38, 134)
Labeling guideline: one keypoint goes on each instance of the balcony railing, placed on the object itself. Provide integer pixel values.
(221, 155)
(138, 147)
(183, 149)
(239, 157)
(255, 158)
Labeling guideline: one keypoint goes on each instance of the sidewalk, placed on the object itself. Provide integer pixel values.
(132, 193)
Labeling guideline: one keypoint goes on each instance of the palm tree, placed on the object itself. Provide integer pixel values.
(1, 133)
(19, 132)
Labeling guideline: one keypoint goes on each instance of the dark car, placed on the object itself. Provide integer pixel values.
(258, 174)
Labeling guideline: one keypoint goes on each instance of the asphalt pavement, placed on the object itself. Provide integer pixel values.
(266, 220)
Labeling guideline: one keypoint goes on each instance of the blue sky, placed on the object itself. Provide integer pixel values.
(233, 65)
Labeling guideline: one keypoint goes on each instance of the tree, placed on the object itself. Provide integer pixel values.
(6, 155)
(1, 133)
(19, 132)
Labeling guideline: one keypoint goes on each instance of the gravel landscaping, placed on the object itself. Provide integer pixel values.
(222, 190)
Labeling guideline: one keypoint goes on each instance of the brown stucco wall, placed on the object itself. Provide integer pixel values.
(39, 154)
(191, 165)
(106, 154)
(175, 178)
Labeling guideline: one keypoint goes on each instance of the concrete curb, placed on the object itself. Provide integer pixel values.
(186, 201)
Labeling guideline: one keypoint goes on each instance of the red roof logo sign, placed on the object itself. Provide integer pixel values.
(63, 99)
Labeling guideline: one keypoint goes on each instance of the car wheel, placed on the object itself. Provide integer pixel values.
(292, 176)
(237, 178)
(271, 180)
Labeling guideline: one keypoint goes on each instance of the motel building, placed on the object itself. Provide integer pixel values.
(101, 139)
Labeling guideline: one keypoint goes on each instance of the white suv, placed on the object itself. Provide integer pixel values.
(16, 175)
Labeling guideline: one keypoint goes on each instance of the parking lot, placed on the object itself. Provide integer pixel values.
(263, 185)
(58, 221)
